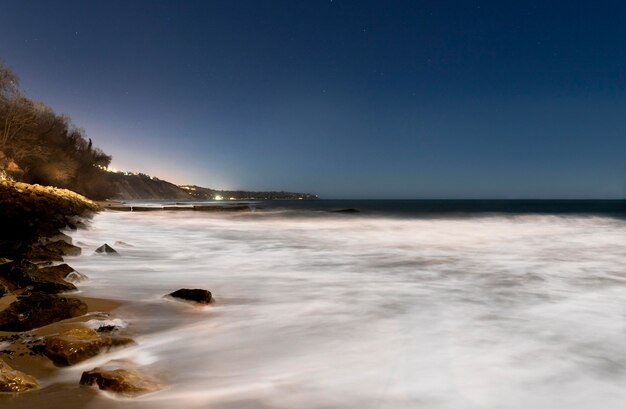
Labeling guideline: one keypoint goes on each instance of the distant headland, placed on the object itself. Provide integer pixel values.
(138, 186)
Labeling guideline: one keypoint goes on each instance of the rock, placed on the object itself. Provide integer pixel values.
(40, 253)
(12, 380)
(59, 272)
(79, 344)
(122, 381)
(47, 234)
(106, 249)
(351, 210)
(75, 277)
(63, 248)
(195, 295)
(49, 280)
(37, 310)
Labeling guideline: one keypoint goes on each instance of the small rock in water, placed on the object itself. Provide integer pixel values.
(106, 249)
(351, 210)
(12, 380)
(126, 382)
(195, 295)
(79, 344)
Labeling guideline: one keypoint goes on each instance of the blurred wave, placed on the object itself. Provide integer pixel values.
(325, 310)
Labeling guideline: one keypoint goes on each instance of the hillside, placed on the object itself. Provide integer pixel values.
(131, 186)
(140, 186)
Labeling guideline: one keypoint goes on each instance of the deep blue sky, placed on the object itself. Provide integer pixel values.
(347, 99)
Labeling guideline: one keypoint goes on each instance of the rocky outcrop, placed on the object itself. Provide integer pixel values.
(79, 344)
(31, 213)
(126, 382)
(14, 381)
(37, 310)
(195, 295)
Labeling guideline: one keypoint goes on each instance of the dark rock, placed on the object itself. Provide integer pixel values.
(351, 210)
(14, 381)
(42, 254)
(62, 248)
(37, 310)
(122, 381)
(106, 249)
(47, 234)
(79, 344)
(50, 280)
(195, 295)
(59, 272)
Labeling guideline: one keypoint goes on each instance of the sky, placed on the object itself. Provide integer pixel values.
(346, 99)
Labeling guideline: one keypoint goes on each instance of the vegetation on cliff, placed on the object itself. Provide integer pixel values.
(40, 146)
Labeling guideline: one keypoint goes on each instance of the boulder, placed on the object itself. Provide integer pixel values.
(59, 272)
(79, 344)
(121, 381)
(106, 249)
(12, 380)
(63, 248)
(37, 310)
(49, 280)
(41, 253)
(195, 295)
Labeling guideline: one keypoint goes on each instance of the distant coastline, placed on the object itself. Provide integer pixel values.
(138, 186)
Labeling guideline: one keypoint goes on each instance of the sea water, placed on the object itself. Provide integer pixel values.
(371, 310)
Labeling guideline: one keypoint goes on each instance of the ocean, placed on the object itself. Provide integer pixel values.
(405, 304)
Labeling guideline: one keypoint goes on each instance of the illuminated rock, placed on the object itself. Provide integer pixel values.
(79, 344)
(122, 381)
(12, 380)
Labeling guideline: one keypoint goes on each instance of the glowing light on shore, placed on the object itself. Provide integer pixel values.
(218, 197)
(113, 170)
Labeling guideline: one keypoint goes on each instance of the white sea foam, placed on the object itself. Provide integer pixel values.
(344, 311)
